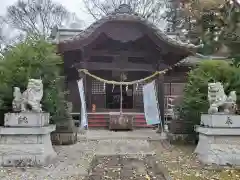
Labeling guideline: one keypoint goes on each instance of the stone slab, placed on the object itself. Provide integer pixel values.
(220, 120)
(218, 131)
(27, 130)
(24, 139)
(20, 139)
(21, 154)
(26, 119)
(24, 149)
(219, 150)
(124, 147)
(21, 160)
(137, 134)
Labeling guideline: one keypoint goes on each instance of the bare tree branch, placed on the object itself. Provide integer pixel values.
(3, 39)
(150, 9)
(36, 16)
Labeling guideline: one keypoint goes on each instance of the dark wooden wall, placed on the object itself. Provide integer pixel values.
(95, 93)
(173, 86)
(119, 46)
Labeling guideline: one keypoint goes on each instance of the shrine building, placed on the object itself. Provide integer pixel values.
(118, 45)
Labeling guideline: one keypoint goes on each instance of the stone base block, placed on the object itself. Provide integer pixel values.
(26, 119)
(26, 155)
(219, 146)
(26, 146)
(27, 130)
(220, 120)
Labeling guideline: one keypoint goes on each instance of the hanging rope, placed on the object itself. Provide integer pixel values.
(121, 83)
(118, 83)
(130, 82)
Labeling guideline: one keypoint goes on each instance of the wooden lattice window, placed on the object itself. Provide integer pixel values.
(138, 89)
(98, 87)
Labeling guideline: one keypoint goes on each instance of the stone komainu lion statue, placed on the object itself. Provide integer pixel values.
(30, 99)
(218, 99)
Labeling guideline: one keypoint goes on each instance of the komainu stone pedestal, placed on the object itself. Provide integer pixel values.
(219, 140)
(25, 140)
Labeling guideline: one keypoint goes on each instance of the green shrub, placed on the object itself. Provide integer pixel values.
(195, 99)
(33, 59)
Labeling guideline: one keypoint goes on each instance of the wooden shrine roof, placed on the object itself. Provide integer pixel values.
(125, 14)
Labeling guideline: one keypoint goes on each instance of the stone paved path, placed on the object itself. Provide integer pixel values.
(124, 168)
(74, 161)
(138, 134)
(123, 146)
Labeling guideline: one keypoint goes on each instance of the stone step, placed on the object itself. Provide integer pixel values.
(102, 121)
(100, 125)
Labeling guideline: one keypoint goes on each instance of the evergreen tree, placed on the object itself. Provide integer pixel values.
(34, 59)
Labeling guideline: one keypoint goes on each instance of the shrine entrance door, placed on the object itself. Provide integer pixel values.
(113, 96)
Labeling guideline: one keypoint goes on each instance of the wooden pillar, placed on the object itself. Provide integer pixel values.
(84, 77)
(161, 95)
(87, 94)
(73, 96)
(81, 76)
(160, 90)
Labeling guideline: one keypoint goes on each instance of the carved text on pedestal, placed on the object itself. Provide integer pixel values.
(229, 121)
(22, 119)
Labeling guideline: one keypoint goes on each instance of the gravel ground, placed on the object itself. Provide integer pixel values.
(73, 162)
(182, 164)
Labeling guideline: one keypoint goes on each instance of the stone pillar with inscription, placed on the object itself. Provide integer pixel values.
(25, 138)
(219, 131)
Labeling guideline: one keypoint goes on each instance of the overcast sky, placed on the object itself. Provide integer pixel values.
(75, 6)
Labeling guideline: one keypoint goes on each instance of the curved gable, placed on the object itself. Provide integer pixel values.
(113, 25)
